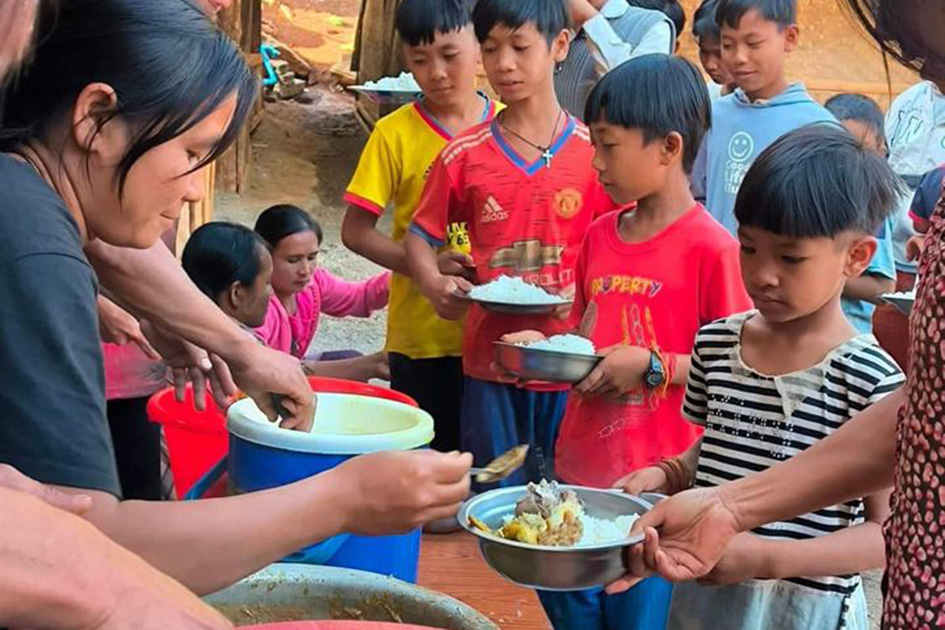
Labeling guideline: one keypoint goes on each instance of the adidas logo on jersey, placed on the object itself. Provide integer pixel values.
(492, 211)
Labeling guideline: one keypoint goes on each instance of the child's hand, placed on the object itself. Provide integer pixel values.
(448, 296)
(744, 559)
(453, 263)
(651, 479)
(620, 372)
(525, 336)
(564, 311)
(915, 246)
(380, 366)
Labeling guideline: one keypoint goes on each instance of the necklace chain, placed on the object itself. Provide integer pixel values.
(546, 153)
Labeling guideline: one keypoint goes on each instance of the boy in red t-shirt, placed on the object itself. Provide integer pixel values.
(647, 280)
(524, 187)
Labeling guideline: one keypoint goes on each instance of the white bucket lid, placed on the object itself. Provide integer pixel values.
(345, 424)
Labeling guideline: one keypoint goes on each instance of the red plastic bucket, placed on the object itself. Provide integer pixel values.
(197, 440)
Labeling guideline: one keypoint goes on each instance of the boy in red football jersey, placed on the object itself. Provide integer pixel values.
(647, 279)
(525, 188)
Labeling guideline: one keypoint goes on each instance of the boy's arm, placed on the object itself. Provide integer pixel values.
(374, 184)
(341, 298)
(359, 233)
(868, 288)
(427, 234)
(608, 49)
(851, 550)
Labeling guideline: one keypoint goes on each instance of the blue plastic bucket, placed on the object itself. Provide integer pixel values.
(264, 456)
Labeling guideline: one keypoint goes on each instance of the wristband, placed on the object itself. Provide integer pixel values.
(677, 476)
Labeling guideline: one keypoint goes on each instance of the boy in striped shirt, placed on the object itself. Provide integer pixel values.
(768, 384)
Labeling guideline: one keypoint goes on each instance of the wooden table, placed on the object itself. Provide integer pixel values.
(452, 564)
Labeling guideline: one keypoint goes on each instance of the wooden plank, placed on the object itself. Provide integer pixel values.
(452, 564)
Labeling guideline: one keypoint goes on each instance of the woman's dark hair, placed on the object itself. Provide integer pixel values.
(219, 254)
(895, 24)
(657, 94)
(704, 25)
(419, 21)
(731, 12)
(860, 108)
(671, 8)
(817, 181)
(550, 17)
(280, 221)
(169, 66)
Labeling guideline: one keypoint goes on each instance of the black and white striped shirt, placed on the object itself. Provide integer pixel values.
(754, 421)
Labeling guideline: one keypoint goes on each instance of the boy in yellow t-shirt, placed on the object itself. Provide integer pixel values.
(441, 51)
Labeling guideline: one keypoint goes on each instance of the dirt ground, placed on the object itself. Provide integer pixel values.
(305, 154)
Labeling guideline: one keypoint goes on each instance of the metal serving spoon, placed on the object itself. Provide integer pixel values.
(502, 466)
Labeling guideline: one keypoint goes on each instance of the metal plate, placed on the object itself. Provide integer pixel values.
(387, 97)
(544, 365)
(901, 302)
(553, 568)
(508, 308)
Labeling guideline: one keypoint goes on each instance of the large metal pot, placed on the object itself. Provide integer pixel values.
(284, 592)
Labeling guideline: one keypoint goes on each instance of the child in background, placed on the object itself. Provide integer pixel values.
(709, 39)
(302, 291)
(525, 188)
(757, 37)
(768, 384)
(232, 266)
(915, 126)
(863, 118)
(607, 33)
(440, 49)
(672, 9)
(640, 306)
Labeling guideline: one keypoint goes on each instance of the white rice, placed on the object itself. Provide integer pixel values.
(513, 290)
(598, 531)
(572, 344)
(403, 83)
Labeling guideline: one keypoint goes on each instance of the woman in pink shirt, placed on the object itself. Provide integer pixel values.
(302, 292)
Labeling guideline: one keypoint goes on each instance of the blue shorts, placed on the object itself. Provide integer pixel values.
(643, 607)
(495, 417)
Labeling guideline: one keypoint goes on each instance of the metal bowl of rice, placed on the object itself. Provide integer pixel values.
(560, 361)
(510, 295)
(595, 561)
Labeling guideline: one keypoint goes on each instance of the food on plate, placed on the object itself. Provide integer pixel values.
(514, 290)
(403, 83)
(550, 516)
(572, 344)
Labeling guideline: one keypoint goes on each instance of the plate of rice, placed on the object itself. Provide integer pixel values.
(511, 295)
(558, 359)
(390, 90)
(902, 301)
(554, 537)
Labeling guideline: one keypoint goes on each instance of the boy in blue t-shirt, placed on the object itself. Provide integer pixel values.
(863, 118)
(757, 36)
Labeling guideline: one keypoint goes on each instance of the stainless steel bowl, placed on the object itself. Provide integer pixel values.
(553, 568)
(509, 308)
(298, 592)
(544, 365)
